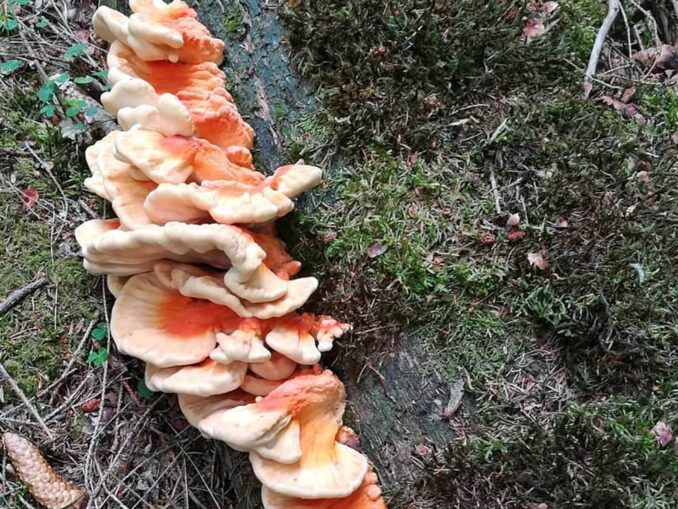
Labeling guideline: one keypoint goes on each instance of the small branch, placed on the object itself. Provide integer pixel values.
(495, 192)
(651, 23)
(612, 11)
(18, 295)
(15, 387)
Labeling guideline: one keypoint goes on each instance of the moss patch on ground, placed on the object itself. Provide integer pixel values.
(36, 336)
(448, 123)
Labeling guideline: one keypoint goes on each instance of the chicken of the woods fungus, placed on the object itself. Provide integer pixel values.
(206, 293)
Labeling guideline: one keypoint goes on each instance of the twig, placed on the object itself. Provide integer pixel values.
(495, 191)
(612, 11)
(15, 387)
(17, 295)
(652, 23)
(74, 355)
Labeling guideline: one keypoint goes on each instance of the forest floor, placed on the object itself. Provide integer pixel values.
(479, 209)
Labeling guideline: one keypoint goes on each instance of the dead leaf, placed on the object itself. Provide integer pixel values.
(91, 405)
(414, 157)
(422, 449)
(535, 505)
(674, 137)
(628, 94)
(662, 433)
(550, 7)
(629, 110)
(562, 223)
(658, 59)
(376, 249)
(538, 260)
(329, 237)
(516, 234)
(487, 239)
(30, 197)
(534, 26)
(513, 220)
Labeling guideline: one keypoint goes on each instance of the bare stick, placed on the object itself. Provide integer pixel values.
(612, 11)
(15, 387)
(18, 295)
(675, 6)
(651, 23)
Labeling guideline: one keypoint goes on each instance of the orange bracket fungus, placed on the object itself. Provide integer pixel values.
(206, 293)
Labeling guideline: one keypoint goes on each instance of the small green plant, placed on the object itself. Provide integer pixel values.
(75, 51)
(10, 66)
(142, 389)
(98, 357)
(100, 331)
(233, 22)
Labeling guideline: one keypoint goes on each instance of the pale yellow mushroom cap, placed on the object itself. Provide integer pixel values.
(196, 408)
(203, 379)
(160, 326)
(197, 283)
(109, 250)
(367, 496)
(175, 159)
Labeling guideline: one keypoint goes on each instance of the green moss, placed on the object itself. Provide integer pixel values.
(37, 334)
(234, 22)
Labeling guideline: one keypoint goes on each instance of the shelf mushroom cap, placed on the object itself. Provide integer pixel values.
(109, 250)
(277, 257)
(294, 179)
(199, 88)
(291, 435)
(162, 327)
(153, 18)
(115, 284)
(367, 496)
(175, 159)
(295, 336)
(260, 386)
(203, 379)
(231, 202)
(227, 202)
(95, 183)
(196, 408)
(242, 344)
(326, 468)
(160, 31)
(197, 283)
(278, 367)
(167, 116)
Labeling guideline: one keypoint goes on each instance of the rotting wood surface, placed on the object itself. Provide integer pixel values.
(402, 403)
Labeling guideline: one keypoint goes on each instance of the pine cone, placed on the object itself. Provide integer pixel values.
(45, 484)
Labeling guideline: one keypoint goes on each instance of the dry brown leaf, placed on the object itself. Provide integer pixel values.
(538, 260)
(516, 234)
(534, 26)
(662, 433)
(629, 110)
(30, 197)
(513, 220)
(658, 59)
(562, 223)
(628, 94)
(376, 249)
(487, 239)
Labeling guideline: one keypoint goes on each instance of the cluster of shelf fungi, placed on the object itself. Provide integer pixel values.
(206, 294)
